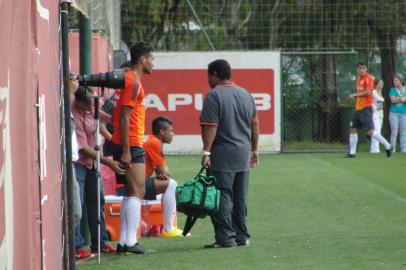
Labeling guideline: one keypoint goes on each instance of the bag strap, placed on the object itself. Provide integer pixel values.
(205, 178)
(201, 171)
(192, 218)
(190, 221)
(203, 198)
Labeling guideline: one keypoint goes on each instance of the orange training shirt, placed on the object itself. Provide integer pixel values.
(364, 84)
(153, 155)
(132, 96)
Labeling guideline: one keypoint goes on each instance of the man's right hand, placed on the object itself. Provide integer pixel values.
(205, 162)
(126, 159)
(73, 85)
(163, 176)
(254, 159)
(117, 167)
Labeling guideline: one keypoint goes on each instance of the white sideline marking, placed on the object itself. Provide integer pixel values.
(387, 193)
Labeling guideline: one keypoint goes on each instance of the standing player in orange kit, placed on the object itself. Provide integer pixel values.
(128, 135)
(362, 117)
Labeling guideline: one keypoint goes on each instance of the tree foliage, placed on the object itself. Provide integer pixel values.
(369, 27)
(264, 24)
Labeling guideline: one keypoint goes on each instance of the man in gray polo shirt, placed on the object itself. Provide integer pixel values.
(230, 131)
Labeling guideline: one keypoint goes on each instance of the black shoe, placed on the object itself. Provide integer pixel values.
(348, 155)
(246, 243)
(121, 249)
(389, 151)
(226, 245)
(138, 249)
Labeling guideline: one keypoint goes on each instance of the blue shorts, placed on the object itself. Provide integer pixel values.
(362, 119)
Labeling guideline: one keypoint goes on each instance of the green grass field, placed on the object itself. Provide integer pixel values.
(306, 211)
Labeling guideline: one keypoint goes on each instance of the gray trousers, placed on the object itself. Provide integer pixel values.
(230, 221)
(398, 126)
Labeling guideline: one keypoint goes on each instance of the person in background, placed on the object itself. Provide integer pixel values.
(362, 116)
(377, 112)
(397, 115)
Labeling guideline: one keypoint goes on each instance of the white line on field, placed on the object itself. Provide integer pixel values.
(387, 193)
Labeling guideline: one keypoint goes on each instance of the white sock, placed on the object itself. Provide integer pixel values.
(123, 222)
(381, 139)
(169, 205)
(353, 143)
(133, 217)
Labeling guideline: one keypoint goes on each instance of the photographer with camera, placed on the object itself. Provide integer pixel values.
(85, 170)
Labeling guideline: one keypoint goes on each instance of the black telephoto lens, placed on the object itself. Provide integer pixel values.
(112, 79)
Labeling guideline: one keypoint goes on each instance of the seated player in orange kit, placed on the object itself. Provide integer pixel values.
(161, 183)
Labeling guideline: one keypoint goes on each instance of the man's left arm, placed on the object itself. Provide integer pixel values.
(369, 87)
(254, 141)
(365, 93)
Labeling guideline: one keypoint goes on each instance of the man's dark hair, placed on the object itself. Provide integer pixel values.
(139, 49)
(160, 123)
(221, 68)
(361, 64)
(81, 95)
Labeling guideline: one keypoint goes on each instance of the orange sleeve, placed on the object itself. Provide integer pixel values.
(153, 152)
(129, 94)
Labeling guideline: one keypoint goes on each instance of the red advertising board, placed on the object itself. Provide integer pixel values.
(179, 94)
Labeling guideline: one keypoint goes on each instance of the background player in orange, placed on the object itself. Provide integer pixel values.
(362, 117)
(128, 124)
(162, 129)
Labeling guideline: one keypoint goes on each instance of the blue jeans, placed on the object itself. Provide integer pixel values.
(87, 180)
